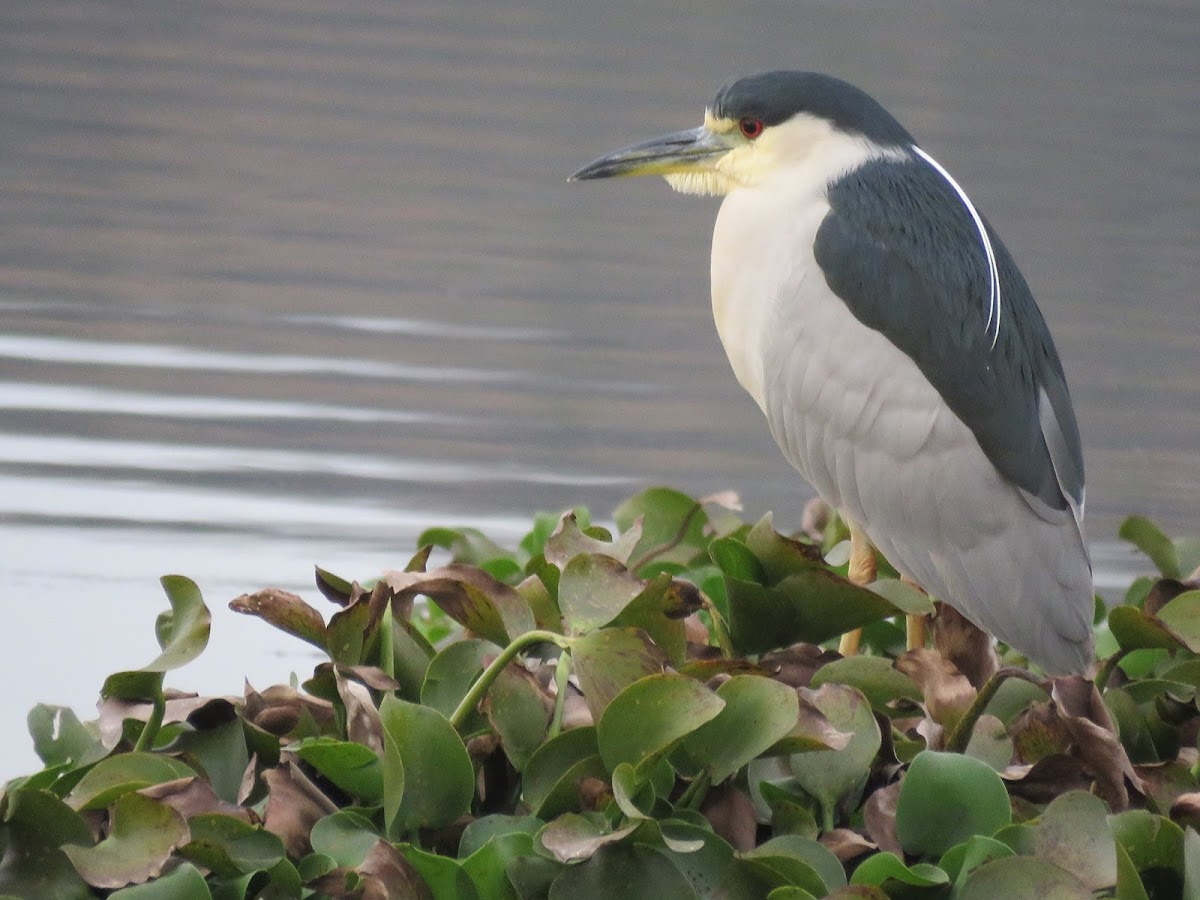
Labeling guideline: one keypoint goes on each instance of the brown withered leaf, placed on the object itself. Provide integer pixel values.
(363, 725)
(796, 665)
(249, 783)
(114, 711)
(286, 611)
(1165, 783)
(572, 838)
(1038, 732)
(294, 806)
(879, 817)
(1094, 739)
(1046, 779)
(193, 797)
(480, 603)
(1185, 811)
(731, 814)
(947, 692)
(372, 676)
(969, 648)
(846, 844)
(388, 876)
(1163, 592)
(594, 793)
(279, 708)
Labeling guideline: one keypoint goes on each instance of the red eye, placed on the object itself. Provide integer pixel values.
(751, 128)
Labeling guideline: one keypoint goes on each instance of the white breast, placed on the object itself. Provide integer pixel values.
(862, 424)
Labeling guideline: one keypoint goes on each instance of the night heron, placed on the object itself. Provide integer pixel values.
(895, 349)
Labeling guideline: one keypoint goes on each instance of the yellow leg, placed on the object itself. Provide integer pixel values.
(914, 625)
(862, 572)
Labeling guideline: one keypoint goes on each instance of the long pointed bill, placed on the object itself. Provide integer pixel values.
(682, 151)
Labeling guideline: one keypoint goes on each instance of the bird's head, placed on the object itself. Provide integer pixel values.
(760, 125)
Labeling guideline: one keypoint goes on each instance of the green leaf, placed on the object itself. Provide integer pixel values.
(231, 847)
(36, 824)
(428, 779)
(962, 859)
(735, 559)
(519, 710)
(1135, 629)
(446, 878)
(631, 872)
(569, 541)
(182, 634)
(1022, 878)
(1152, 841)
(345, 837)
(946, 798)
(121, 774)
(60, 738)
(608, 660)
(659, 610)
(1129, 883)
(829, 775)
(1182, 616)
(552, 775)
(353, 767)
(593, 590)
(812, 606)
(1147, 537)
(874, 676)
(672, 525)
(880, 868)
(184, 881)
(813, 854)
(758, 712)
(450, 676)
(482, 830)
(142, 834)
(1073, 834)
(990, 743)
(470, 596)
(488, 865)
(650, 716)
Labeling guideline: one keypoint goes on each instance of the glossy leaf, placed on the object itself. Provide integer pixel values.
(650, 716)
(946, 798)
(1073, 834)
(1022, 878)
(428, 777)
(631, 872)
(608, 660)
(183, 881)
(758, 712)
(1148, 538)
(142, 835)
(229, 846)
(873, 676)
(120, 774)
(593, 590)
(828, 775)
(351, 766)
(1182, 616)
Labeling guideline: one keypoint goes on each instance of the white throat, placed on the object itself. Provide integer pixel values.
(764, 234)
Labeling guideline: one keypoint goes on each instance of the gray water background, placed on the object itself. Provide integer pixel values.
(282, 283)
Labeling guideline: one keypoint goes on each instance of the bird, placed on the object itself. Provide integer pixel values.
(895, 349)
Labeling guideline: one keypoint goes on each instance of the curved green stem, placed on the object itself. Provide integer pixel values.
(960, 735)
(492, 672)
(562, 672)
(693, 796)
(145, 741)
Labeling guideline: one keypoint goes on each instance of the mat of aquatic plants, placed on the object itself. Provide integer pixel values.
(655, 711)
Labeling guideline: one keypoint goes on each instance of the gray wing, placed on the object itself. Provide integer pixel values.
(902, 251)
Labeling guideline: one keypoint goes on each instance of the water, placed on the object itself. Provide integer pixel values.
(283, 283)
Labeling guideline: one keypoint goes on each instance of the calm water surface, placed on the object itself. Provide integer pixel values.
(282, 283)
